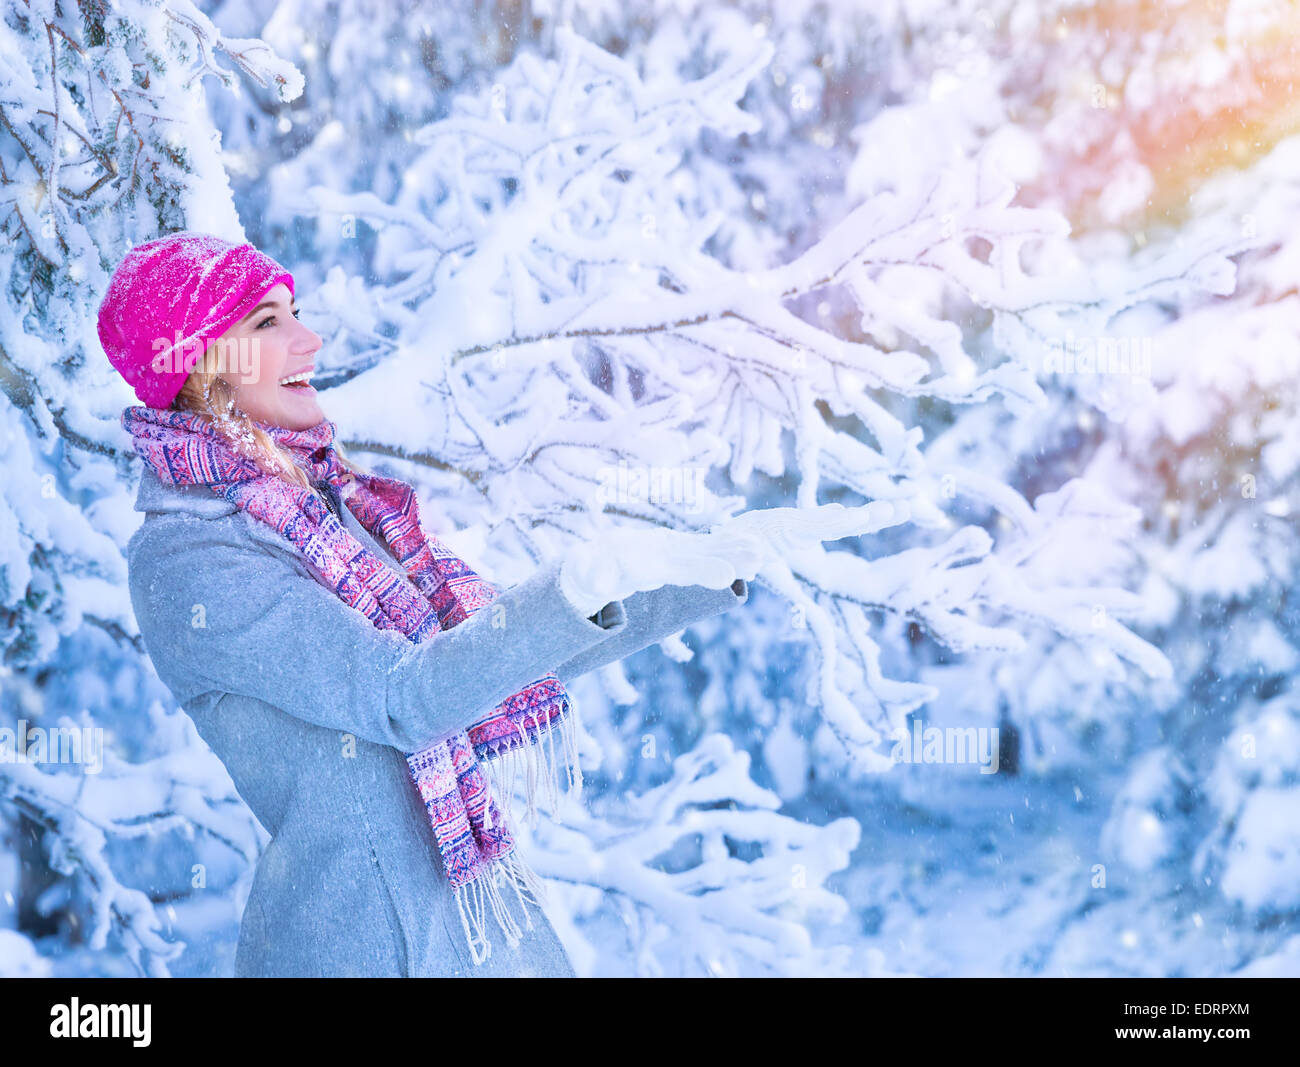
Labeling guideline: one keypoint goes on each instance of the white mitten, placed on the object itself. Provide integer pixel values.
(622, 561)
(625, 560)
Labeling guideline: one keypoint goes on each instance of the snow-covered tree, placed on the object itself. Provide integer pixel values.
(1157, 130)
(1219, 454)
(104, 142)
(547, 284)
(580, 264)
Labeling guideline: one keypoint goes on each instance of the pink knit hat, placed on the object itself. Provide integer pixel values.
(170, 297)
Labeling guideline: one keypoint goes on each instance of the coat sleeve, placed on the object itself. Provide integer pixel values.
(652, 616)
(218, 612)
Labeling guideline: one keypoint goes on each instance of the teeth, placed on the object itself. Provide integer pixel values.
(304, 376)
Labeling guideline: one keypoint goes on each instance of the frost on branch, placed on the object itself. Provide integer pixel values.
(557, 308)
(253, 55)
(709, 876)
(105, 142)
(87, 818)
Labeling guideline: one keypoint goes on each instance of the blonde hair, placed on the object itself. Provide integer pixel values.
(211, 396)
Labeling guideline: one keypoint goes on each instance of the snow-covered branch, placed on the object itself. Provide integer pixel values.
(557, 305)
(671, 855)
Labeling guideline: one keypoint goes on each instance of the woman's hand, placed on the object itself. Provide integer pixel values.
(626, 560)
(622, 561)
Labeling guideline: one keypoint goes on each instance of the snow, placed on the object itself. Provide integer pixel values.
(1263, 867)
(720, 251)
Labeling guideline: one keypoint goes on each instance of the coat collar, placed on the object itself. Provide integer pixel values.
(156, 495)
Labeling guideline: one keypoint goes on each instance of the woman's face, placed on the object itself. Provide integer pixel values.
(266, 347)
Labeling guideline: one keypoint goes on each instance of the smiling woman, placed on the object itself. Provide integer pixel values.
(277, 387)
(333, 654)
(272, 387)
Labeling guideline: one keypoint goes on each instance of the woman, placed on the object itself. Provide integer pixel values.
(332, 653)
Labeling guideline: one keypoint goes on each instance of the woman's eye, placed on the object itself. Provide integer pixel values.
(271, 318)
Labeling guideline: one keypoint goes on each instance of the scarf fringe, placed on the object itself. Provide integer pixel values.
(484, 891)
(476, 896)
(540, 767)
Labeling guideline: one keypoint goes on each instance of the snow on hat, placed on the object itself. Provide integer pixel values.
(170, 297)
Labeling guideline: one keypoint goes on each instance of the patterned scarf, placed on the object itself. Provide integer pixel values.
(475, 842)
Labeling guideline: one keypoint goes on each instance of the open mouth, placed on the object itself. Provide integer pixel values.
(301, 380)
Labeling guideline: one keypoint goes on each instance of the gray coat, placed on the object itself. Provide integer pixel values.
(312, 709)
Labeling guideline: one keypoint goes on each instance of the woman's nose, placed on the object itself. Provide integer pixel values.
(308, 339)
